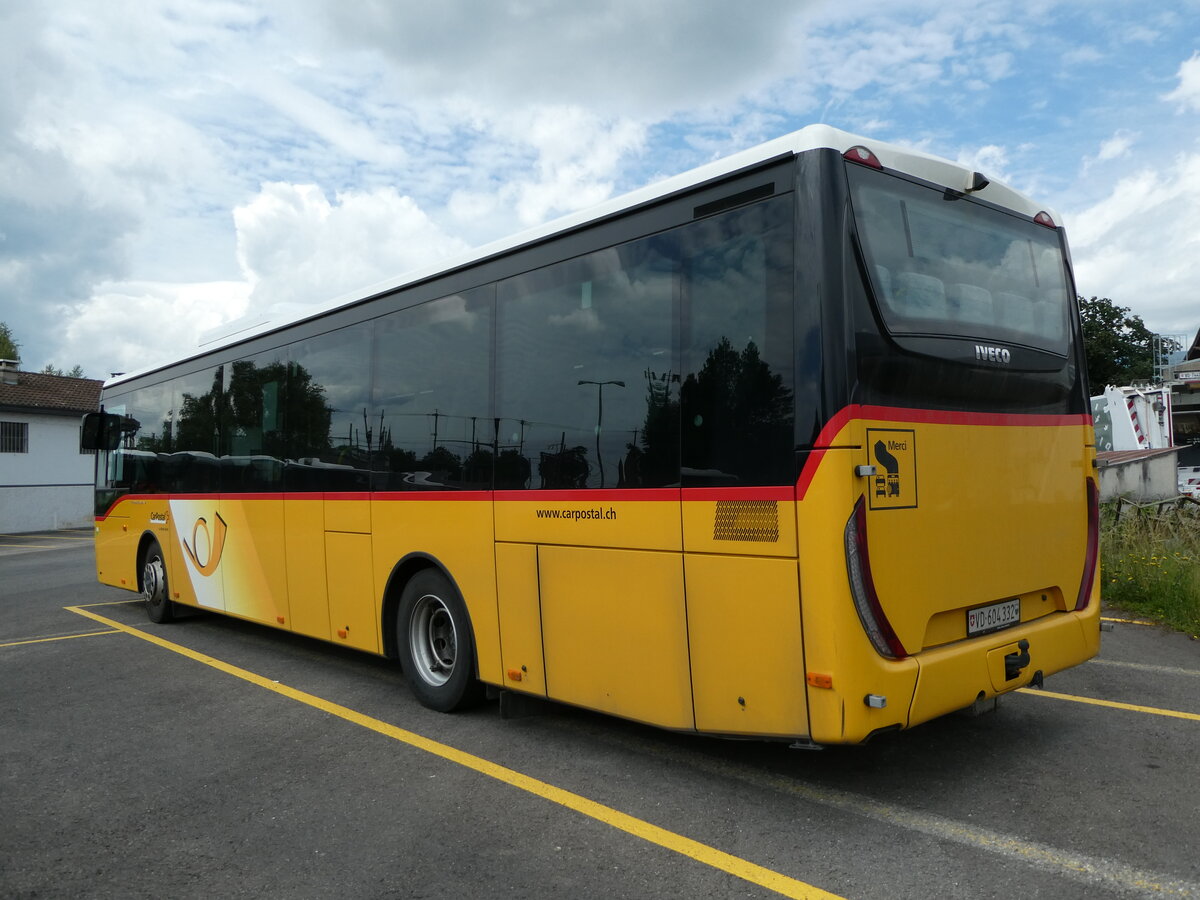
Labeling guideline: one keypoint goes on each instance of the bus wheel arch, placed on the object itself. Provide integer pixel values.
(427, 627)
(152, 580)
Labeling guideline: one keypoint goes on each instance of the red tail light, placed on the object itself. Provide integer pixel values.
(1091, 556)
(863, 157)
(1044, 218)
(862, 587)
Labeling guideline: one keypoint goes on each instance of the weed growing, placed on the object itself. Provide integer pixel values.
(1150, 562)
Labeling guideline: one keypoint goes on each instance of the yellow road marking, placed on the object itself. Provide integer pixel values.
(1061, 863)
(702, 853)
(12, 541)
(1112, 704)
(1144, 667)
(1127, 621)
(63, 637)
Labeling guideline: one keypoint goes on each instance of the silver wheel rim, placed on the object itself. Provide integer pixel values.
(432, 640)
(153, 578)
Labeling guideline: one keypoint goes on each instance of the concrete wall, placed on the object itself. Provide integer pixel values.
(45, 508)
(51, 485)
(1155, 478)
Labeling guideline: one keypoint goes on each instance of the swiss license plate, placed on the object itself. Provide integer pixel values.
(994, 616)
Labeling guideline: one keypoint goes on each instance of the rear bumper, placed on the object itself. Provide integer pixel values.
(953, 677)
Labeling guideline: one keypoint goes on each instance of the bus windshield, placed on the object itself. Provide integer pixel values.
(942, 264)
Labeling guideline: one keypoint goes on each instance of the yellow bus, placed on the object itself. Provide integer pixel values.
(796, 446)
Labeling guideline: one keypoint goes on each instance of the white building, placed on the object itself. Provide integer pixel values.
(45, 481)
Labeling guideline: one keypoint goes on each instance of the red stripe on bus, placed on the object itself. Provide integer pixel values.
(941, 417)
(900, 415)
(595, 495)
(763, 492)
(432, 495)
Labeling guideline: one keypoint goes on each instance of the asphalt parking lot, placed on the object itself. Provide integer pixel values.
(210, 757)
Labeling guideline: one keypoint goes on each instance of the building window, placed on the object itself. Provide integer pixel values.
(14, 437)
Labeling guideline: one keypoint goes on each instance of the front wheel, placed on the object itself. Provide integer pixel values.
(154, 586)
(433, 633)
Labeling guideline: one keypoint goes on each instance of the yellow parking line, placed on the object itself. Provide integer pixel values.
(702, 853)
(1127, 621)
(1112, 704)
(62, 637)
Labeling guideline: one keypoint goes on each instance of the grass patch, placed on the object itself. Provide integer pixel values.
(1150, 562)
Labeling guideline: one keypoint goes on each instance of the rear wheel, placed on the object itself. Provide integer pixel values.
(437, 651)
(154, 586)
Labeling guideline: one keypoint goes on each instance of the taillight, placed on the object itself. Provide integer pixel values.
(1044, 218)
(862, 587)
(1092, 556)
(863, 156)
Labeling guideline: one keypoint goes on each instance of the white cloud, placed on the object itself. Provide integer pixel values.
(1085, 55)
(128, 326)
(1137, 247)
(1118, 145)
(313, 147)
(990, 160)
(298, 250)
(331, 124)
(1187, 94)
(621, 57)
(578, 159)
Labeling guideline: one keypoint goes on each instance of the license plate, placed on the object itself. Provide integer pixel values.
(994, 616)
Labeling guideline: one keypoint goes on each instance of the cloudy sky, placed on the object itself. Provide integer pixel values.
(167, 166)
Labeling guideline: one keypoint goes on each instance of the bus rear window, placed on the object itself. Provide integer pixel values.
(949, 266)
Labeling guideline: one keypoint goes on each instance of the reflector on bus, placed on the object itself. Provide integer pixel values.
(862, 587)
(1092, 555)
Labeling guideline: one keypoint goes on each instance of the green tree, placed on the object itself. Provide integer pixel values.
(739, 415)
(1119, 346)
(51, 369)
(9, 348)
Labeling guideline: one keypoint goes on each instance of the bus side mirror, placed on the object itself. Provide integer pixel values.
(100, 431)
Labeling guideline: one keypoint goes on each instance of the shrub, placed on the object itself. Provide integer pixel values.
(1150, 561)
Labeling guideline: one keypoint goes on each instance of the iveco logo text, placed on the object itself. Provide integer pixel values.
(992, 354)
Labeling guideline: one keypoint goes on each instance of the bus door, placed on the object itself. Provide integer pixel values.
(327, 516)
(250, 522)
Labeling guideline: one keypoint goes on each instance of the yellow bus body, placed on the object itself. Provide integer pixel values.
(723, 611)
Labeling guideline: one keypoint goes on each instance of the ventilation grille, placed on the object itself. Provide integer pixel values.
(746, 520)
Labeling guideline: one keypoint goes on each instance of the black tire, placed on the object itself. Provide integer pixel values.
(155, 590)
(437, 648)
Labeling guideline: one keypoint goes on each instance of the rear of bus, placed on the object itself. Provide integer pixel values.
(952, 488)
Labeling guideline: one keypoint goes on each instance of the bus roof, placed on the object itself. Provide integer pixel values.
(813, 137)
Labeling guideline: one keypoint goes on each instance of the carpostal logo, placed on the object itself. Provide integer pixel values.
(201, 540)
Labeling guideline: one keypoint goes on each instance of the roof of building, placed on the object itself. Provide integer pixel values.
(1194, 350)
(1120, 457)
(52, 394)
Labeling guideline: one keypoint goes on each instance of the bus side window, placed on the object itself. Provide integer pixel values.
(587, 380)
(737, 406)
